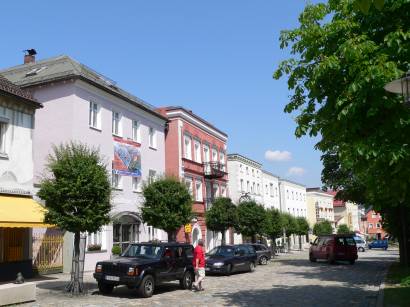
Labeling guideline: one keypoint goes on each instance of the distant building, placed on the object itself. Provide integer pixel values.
(271, 195)
(346, 212)
(374, 223)
(196, 153)
(319, 206)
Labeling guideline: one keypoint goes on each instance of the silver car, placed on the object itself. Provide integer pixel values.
(360, 243)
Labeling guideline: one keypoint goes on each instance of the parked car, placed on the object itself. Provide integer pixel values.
(334, 248)
(227, 259)
(263, 253)
(142, 266)
(379, 244)
(360, 243)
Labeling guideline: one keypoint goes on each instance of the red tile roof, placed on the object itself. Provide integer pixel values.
(336, 202)
(10, 88)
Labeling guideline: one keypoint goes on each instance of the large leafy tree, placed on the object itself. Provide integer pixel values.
(302, 230)
(290, 226)
(77, 193)
(273, 227)
(322, 228)
(342, 58)
(221, 216)
(167, 205)
(251, 219)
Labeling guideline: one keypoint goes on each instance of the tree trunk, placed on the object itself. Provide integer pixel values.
(288, 237)
(254, 238)
(223, 241)
(172, 236)
(273, 247)
(404, 246)
(300, 242)
(76, 286)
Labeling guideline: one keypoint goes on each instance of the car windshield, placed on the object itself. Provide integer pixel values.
(224, 251)
(143, 251)
(350, 241)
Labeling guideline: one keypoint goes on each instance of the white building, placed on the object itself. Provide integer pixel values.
(320, 206)
(271, 195)
(293, 198)
(245, 178)
(83, 105)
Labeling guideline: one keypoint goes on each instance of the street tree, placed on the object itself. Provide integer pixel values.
(290, 227)
(341, 60)
(343, 229)
(273, 227)
(167, 205)
(302, 229)
(221, 216)
(322, 228)
(251, 219)
(76, 191)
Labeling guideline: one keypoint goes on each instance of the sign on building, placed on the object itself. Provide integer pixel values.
(127, 158)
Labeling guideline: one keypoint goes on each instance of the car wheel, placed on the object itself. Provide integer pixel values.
(385, 248)
(105, 288)
(229, 269)
(330, 259)
(352, 261)
(146, 289)
(361, 249)
(311, 258)
(251, 266)
(187, 280)
(263, 260)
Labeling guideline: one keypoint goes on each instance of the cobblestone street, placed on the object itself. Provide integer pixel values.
(289, 280)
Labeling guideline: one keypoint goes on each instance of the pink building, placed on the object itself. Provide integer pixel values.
(195, 152)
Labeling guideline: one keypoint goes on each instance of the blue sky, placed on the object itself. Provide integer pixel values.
(214, 57)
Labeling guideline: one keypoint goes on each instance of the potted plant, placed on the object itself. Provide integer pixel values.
(94, 247)
(115, 251)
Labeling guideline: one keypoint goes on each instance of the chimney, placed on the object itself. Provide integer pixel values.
(30, 56)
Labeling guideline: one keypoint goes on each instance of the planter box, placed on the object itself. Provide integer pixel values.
(11, 294)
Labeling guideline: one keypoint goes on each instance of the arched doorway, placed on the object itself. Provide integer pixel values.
(196, 235)
(126, 229)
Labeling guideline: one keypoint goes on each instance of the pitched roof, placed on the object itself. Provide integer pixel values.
(8, 87)
(336, 202)
(64, 67)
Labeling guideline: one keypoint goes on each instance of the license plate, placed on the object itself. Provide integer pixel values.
(112, 278)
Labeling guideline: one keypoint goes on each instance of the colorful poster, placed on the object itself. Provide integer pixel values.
(127, 158)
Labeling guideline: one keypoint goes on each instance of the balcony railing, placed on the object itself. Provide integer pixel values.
(213, 170)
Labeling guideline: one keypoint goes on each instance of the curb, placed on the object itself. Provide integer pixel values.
(380, 295)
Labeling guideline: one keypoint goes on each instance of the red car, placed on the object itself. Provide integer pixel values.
(333, 248)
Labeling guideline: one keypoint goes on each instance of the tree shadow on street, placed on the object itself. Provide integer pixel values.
(309, 295)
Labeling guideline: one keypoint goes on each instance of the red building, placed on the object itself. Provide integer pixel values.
(195, 152)
(373, 224)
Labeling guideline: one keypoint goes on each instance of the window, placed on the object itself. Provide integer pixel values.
(271, 189)
(242, 190)
(116, 127)
(276, 191)
(240, 168)
(378, 225)
(214, 155)
(116, 180)
(370, 225)
(198, 190)
(152, 137)
(94, 240)
(253, 188)
(3, 134)
(247, 171)
(207, 156)
(136, 131)
(136, 184)
(197, 150)
(293, 195)
(215, 190)
(247, 187)
(94, 116)
(253, 173)
(151, 176)
(287, 194)
(222, 159)
(188, 183)
(187, 147)
(266, 189)
(258, 189)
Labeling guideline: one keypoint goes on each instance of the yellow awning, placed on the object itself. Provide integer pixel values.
(17, 211)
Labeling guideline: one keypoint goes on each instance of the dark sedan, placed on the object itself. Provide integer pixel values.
(263, 252)
(231, 258)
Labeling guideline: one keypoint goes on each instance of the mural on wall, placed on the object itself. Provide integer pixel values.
(127, 158)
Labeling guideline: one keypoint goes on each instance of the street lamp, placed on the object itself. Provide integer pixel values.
(400, 86)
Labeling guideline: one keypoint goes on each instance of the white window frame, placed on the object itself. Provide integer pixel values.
(116, 123)
(189, 184)
(198, 190)
(94, 115)
(241, 185)
(222, 160)
(214, 155)
(152, 137)
(223, 190)
(116, 180)
(152, 176)
(197, 151)
(136, 184)
(136, 131)
(4, 126)
(187, 147)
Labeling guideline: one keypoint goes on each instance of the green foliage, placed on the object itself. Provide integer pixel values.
(77, 192)
(322, 228)
(222, 215)
(251, 218)
(303, 226)
(273, 227)
(343, 229)
(168, 204)
(341, 61)
(116, 250)
(290, 225)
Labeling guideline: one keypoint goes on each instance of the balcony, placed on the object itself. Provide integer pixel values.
(214, 170)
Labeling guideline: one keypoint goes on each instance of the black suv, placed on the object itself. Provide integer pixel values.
(144, 265)
(263, 252)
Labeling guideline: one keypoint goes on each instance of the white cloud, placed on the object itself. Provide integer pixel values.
(278, 156)
(296, 171)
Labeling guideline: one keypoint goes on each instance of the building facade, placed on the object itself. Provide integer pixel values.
(196, 153)
(271, 195)
(374, 225)
(319, 206)
(19, 213)
(346, 212)
(83, 105)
